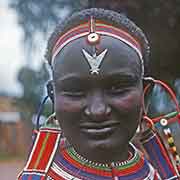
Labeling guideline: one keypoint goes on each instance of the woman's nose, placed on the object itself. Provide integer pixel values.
(97, 107)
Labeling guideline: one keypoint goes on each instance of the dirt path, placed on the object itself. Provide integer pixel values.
(10, 170)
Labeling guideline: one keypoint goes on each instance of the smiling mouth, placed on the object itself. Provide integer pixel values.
(99, 130)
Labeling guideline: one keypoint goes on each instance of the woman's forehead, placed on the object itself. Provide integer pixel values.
(110, 55)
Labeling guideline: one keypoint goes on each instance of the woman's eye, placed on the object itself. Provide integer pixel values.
(117, 89)
(73, 93)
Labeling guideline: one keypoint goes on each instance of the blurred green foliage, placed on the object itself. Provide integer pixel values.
(33, 83)
(159, 19)
(40, 17)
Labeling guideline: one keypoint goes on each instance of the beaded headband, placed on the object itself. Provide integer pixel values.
(92, 30)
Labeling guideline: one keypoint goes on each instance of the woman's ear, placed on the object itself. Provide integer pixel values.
(148, 81)
(50, 90)
(148, 85)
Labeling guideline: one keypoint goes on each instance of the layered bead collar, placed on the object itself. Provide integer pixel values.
(70, 165)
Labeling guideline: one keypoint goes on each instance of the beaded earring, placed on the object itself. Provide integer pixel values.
(50, 94)
(162, 130)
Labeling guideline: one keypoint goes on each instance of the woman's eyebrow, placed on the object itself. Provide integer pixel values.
(72, 82)
(69, 77)
(122, 76)
(72, 78)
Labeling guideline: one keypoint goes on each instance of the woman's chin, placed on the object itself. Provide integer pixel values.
(101, 150)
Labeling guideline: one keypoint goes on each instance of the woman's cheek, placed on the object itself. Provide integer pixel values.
(127, 103)
(66, 104)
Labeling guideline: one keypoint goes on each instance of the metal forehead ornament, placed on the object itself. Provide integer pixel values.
(94, 60)
(93, 39)
(93, 30)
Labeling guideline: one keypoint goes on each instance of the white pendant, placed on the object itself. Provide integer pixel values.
(94, 60)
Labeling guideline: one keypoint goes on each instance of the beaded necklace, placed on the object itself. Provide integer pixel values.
(73, 152)
(68, 164)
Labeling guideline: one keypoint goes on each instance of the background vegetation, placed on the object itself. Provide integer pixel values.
(158, 18)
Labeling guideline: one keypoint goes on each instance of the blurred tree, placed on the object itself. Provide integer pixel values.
(160, 20)
(37, 18)
(33, 83)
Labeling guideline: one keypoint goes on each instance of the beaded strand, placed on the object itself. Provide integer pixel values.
(171, 144)
(115, 164)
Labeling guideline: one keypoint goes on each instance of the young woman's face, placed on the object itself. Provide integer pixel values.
(98, 113)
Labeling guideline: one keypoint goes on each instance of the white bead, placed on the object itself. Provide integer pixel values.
(167, 131)
(177, 159)
(164, 122)
(93, 38)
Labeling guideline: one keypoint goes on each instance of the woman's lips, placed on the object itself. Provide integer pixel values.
(99, 130)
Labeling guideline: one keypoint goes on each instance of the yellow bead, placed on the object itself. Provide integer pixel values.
(170, 140)
(174, 148)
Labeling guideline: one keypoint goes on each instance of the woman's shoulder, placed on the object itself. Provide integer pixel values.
(44, 147)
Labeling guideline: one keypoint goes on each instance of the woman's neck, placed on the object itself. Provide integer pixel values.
(106, 157)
